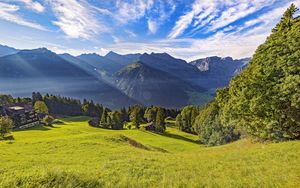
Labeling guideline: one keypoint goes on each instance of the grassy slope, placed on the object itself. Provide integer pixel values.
(75, 154)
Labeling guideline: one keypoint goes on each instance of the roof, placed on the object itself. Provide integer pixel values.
(16, 108)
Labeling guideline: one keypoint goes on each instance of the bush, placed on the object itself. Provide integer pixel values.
(210, 129)
(6, 125)
(48, 120)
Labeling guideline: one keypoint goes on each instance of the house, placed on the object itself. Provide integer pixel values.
(22, 115)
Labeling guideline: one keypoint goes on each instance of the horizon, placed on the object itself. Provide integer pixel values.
(187, 30)
(92, 53)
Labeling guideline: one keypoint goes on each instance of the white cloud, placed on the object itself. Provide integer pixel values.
(185, 20)
(152, 26)
(215, 14)
(8, 12)
(33, 5)
(130, 10)
(130, 33)
(76, 18)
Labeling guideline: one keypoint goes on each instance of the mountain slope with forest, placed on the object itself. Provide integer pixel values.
(154, 87)
(44, 71)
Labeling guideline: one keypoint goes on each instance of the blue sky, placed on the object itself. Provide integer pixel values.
(187, 29)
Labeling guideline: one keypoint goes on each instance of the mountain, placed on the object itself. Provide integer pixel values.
(81, 64)
(155, 87)
(103, 64)
(176, 67)
(123, 59)
(44, 71)
(217, 72)
(5, 50)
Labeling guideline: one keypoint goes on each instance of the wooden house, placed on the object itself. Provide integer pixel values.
(23, 115)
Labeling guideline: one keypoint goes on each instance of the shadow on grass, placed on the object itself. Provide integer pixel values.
(37, 128)
(10, 137)
(175, 136)
(76, 119)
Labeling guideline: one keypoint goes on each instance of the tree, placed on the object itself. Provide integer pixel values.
(264, 98)
(6, 125)
(40, 107)
(150, 114)
(108, 122)
(116, 120)
(178, 122)
(103, 119)
(36, 97)
(6, 99)
(48, 120)
(136, 117)
(188, 116)
(160, 120)
(210, 129)
(124, 115)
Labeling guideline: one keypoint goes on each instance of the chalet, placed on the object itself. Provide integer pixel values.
(22, 115)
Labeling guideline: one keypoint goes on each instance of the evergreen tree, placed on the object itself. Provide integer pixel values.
(116, 120)
(160, 120)
(264, 98)
(103, 119)
(178, 122)
(108, 123)
(136, 116)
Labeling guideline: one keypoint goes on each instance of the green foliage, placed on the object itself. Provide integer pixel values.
(136, 116)
(178, 122)
(160, 120)
(150, 114)
(103, 120)
(187, 118)
(265, 98)
(41, 107)
(210, 129)
(116, 120)
(6, 99)
(6, 125)
(48, 120)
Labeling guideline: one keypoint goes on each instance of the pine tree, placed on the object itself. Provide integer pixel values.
(160, 120)
(264, 98)
(103, 118)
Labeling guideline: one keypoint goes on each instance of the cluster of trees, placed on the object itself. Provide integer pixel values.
(135, 114)
(206, 123)
(264, 100)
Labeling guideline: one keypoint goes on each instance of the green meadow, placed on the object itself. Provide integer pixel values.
(73, 154)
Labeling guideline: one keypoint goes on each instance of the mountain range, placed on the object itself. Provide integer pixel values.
(116, 80)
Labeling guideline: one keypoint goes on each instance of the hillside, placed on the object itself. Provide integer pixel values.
(44, 71)
(101, 63)
(72, 154)
(154, 87)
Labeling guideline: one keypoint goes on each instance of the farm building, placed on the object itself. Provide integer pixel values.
(22, 115)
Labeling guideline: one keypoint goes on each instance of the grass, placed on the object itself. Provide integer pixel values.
(72, 154)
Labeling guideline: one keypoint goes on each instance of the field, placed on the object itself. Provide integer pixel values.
(72, 154)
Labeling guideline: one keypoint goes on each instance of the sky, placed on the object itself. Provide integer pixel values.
(187, 29)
